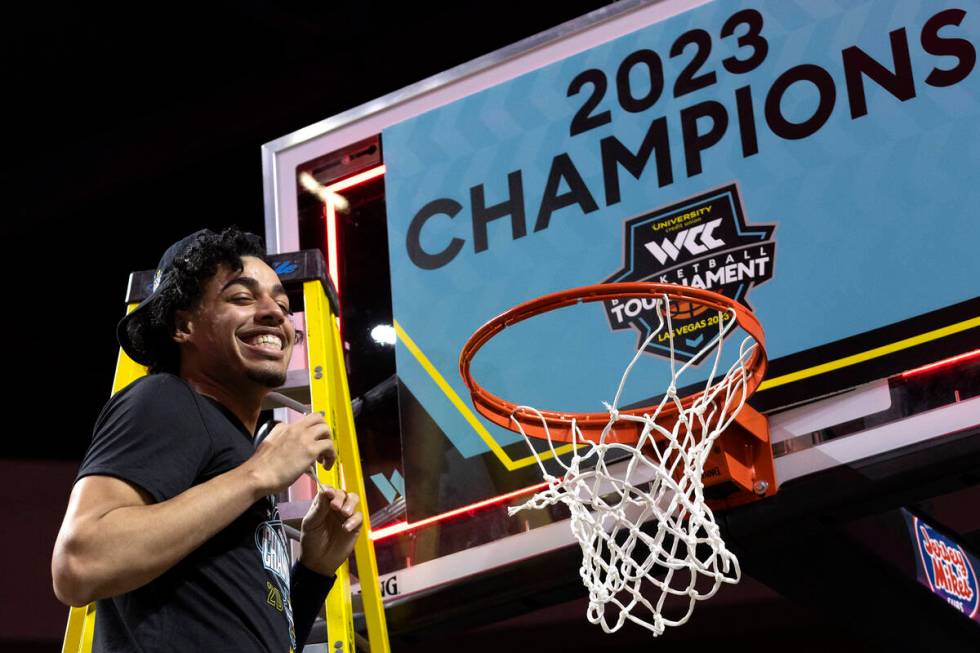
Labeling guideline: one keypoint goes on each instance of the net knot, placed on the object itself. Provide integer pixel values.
(612, 410)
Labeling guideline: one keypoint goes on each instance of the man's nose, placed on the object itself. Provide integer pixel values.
(267, 310)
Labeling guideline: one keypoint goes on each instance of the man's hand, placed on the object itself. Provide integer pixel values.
(288, 451)
(329, 530)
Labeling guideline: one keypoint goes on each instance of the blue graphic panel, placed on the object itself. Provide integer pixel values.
(815, 160)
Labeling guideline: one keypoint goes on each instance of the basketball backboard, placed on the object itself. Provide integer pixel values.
(811, 161)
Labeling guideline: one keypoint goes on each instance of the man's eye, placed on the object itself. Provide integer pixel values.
(285, 309)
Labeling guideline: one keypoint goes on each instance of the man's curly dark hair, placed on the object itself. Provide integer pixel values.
(182, 288)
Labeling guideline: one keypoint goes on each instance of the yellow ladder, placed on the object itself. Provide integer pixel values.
(329, 393)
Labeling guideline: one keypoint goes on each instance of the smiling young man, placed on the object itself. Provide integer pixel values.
(172, 526)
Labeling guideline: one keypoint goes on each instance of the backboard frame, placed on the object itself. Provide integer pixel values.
(942, 438)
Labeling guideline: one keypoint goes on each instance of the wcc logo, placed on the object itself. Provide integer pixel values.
(947, 569)
(701, 242)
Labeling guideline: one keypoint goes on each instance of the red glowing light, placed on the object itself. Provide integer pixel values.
(357, 179)
(941, 364)
(333, 248)
(403, 527)
(330, 215)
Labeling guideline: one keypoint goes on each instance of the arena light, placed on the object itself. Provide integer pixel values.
(327, 196)
(404, 527)
(383, 334)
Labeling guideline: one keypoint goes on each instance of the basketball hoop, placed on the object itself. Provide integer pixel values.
(666, 447)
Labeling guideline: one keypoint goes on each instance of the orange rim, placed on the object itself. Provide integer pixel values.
(499, 410)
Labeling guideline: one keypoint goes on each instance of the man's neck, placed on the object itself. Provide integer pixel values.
(244, 402)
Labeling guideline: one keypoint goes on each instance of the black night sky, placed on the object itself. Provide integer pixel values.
(136, 124)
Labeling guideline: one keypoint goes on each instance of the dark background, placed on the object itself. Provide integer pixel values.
(134, 125)
(129, 126)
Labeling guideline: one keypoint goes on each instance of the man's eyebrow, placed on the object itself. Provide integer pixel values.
(253, 285)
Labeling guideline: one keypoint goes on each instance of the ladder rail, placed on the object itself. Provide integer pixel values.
(330, 384)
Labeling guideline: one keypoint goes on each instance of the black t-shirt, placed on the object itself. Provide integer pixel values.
(233, 592)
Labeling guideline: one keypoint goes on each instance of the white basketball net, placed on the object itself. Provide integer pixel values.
(628, 572)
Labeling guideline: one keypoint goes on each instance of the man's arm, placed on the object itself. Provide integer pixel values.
(114, 539)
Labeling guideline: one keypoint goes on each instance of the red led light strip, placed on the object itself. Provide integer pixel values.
(357, 179)
(943, 363)
(403, 527)
(330, 215)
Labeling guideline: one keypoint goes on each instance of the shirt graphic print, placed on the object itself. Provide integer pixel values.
(270, 539)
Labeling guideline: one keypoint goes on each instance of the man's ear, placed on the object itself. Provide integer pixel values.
(183, 326)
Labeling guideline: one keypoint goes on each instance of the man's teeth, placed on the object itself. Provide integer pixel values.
(267, 339)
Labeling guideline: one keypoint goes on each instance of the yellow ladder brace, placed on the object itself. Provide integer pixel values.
(329, 392)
